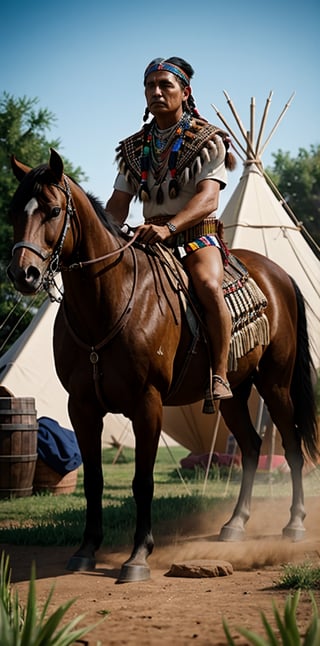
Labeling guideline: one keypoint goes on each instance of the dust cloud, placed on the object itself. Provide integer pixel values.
(263, 545)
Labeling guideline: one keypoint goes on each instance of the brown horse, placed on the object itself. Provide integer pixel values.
(120, 342)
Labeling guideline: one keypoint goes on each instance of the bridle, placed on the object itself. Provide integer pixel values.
(49, 283)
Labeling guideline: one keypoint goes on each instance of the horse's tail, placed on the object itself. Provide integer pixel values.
(303, 384)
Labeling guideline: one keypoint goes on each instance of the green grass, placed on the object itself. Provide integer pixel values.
(45, 519)
(303, 576)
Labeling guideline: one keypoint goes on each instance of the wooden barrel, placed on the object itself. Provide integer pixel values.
(18, 446)
(46, 479)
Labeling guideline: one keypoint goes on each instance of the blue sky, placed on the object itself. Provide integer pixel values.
(84, 61)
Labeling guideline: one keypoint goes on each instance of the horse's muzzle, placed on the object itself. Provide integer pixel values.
(27, 280)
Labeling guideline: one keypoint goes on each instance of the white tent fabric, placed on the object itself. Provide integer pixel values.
(27, 370)
(255, 219)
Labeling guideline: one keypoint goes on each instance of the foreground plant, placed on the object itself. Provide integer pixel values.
(6, 600)
(302, 575)
(27, 626)
(287, 628)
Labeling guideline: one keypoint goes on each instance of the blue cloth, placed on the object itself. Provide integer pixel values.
(58, 446)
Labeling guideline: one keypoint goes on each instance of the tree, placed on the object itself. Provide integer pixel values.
(298, 180)
(23, 129)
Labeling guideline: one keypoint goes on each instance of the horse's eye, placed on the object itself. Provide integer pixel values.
(55, 211)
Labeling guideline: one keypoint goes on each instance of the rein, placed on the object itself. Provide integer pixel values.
(120, 323)
(70, 211)
(85, 263)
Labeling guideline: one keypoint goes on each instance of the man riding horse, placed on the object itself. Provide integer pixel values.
(176, 165)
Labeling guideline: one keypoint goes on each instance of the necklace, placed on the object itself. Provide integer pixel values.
(160, 138)
(160, 153)
(160, 147)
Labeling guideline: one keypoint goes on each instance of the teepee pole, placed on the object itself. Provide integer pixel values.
(239, 122)
(277, 123)
(175, 463)
(252, 121)
(263, 122)
(233, 135)
(213, 442)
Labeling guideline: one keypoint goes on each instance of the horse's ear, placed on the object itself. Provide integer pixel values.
(19, 169)
(56, 164)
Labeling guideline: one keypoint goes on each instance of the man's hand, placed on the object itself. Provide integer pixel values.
(152, 233)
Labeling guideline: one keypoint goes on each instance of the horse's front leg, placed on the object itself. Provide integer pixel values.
(147, 427)
(88, 431)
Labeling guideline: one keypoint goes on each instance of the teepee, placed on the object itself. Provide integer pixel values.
(257, 218)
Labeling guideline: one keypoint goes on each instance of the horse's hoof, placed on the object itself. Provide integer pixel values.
(294, 534)
(231, 534)
(133, 573)
(81, 564)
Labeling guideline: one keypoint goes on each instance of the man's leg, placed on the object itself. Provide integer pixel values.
(206, 270)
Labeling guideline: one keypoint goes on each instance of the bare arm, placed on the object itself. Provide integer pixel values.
(200, 206)
(118, 205)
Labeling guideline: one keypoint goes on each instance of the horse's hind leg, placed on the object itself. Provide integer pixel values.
(237, 417)
(147, 428)
(281, 410)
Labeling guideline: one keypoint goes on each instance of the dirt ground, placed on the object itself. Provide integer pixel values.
(172, 610)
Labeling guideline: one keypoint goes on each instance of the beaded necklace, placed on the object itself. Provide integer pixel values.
(160, 153)
(162, 137)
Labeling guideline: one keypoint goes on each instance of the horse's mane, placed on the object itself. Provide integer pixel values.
(106, 218)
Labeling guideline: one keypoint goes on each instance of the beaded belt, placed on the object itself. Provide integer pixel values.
(205, 227)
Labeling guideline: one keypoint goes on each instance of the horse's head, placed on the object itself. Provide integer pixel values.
(40, 215)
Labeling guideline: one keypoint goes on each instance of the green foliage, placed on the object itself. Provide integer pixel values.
(23, 128)
(300, 576)
(28, 626)
(287, 632)
(6, 600)
(298, 180)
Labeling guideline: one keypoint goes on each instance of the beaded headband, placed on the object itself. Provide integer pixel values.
(167, 67)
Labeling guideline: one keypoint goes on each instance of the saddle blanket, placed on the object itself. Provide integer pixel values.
(244, 298)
